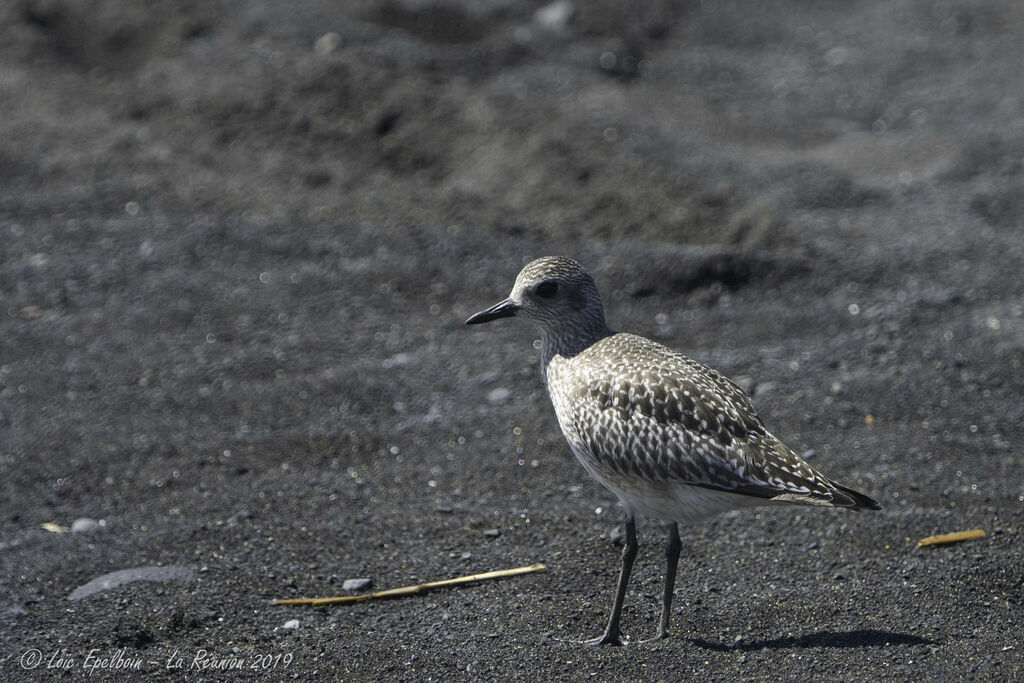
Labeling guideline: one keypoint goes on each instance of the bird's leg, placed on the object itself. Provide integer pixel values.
(672, 555)
(612, 635)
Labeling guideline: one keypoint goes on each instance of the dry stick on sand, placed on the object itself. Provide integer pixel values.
(954, 537)
(412, 590)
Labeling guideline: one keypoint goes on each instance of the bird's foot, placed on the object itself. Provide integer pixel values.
(605, 639)
(662, 635)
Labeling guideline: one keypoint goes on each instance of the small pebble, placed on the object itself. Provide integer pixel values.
(555, 16)
(124, 576)
(499, 395)
(356, 584)
(12, 613)
(84, 525)
(291, 624)
(327, 43)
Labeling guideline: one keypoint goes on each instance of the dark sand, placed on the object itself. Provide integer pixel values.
(238, 241)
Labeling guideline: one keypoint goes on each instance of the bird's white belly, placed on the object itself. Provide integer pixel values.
(666, 500)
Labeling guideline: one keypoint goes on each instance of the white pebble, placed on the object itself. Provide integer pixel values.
(84, 525)
(554, 17)
(499, 395)
(327, 43)
(356, 584)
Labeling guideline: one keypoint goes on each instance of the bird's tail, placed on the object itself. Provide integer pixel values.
(843, 497)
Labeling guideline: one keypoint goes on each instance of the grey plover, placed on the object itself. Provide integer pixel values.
(672, 438)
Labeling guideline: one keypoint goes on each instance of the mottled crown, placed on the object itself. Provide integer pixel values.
(552, 267)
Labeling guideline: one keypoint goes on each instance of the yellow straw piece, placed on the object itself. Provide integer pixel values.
(954, 537)
(412, 590)
(55, 528)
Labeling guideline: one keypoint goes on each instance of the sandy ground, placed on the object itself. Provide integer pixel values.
(238, 241)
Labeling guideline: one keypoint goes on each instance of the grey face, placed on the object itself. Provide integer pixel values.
(553, 291)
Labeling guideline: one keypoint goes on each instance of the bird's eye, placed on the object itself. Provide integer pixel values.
(547, 289)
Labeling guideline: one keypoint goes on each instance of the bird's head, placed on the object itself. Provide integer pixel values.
(555, 292)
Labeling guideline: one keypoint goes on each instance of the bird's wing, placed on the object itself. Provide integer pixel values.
(677, 420)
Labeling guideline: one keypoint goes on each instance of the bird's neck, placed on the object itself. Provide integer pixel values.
(570, 341)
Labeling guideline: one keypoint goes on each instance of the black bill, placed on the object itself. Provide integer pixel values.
(502, 309)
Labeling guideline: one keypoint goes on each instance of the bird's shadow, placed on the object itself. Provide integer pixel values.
(859, 638)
